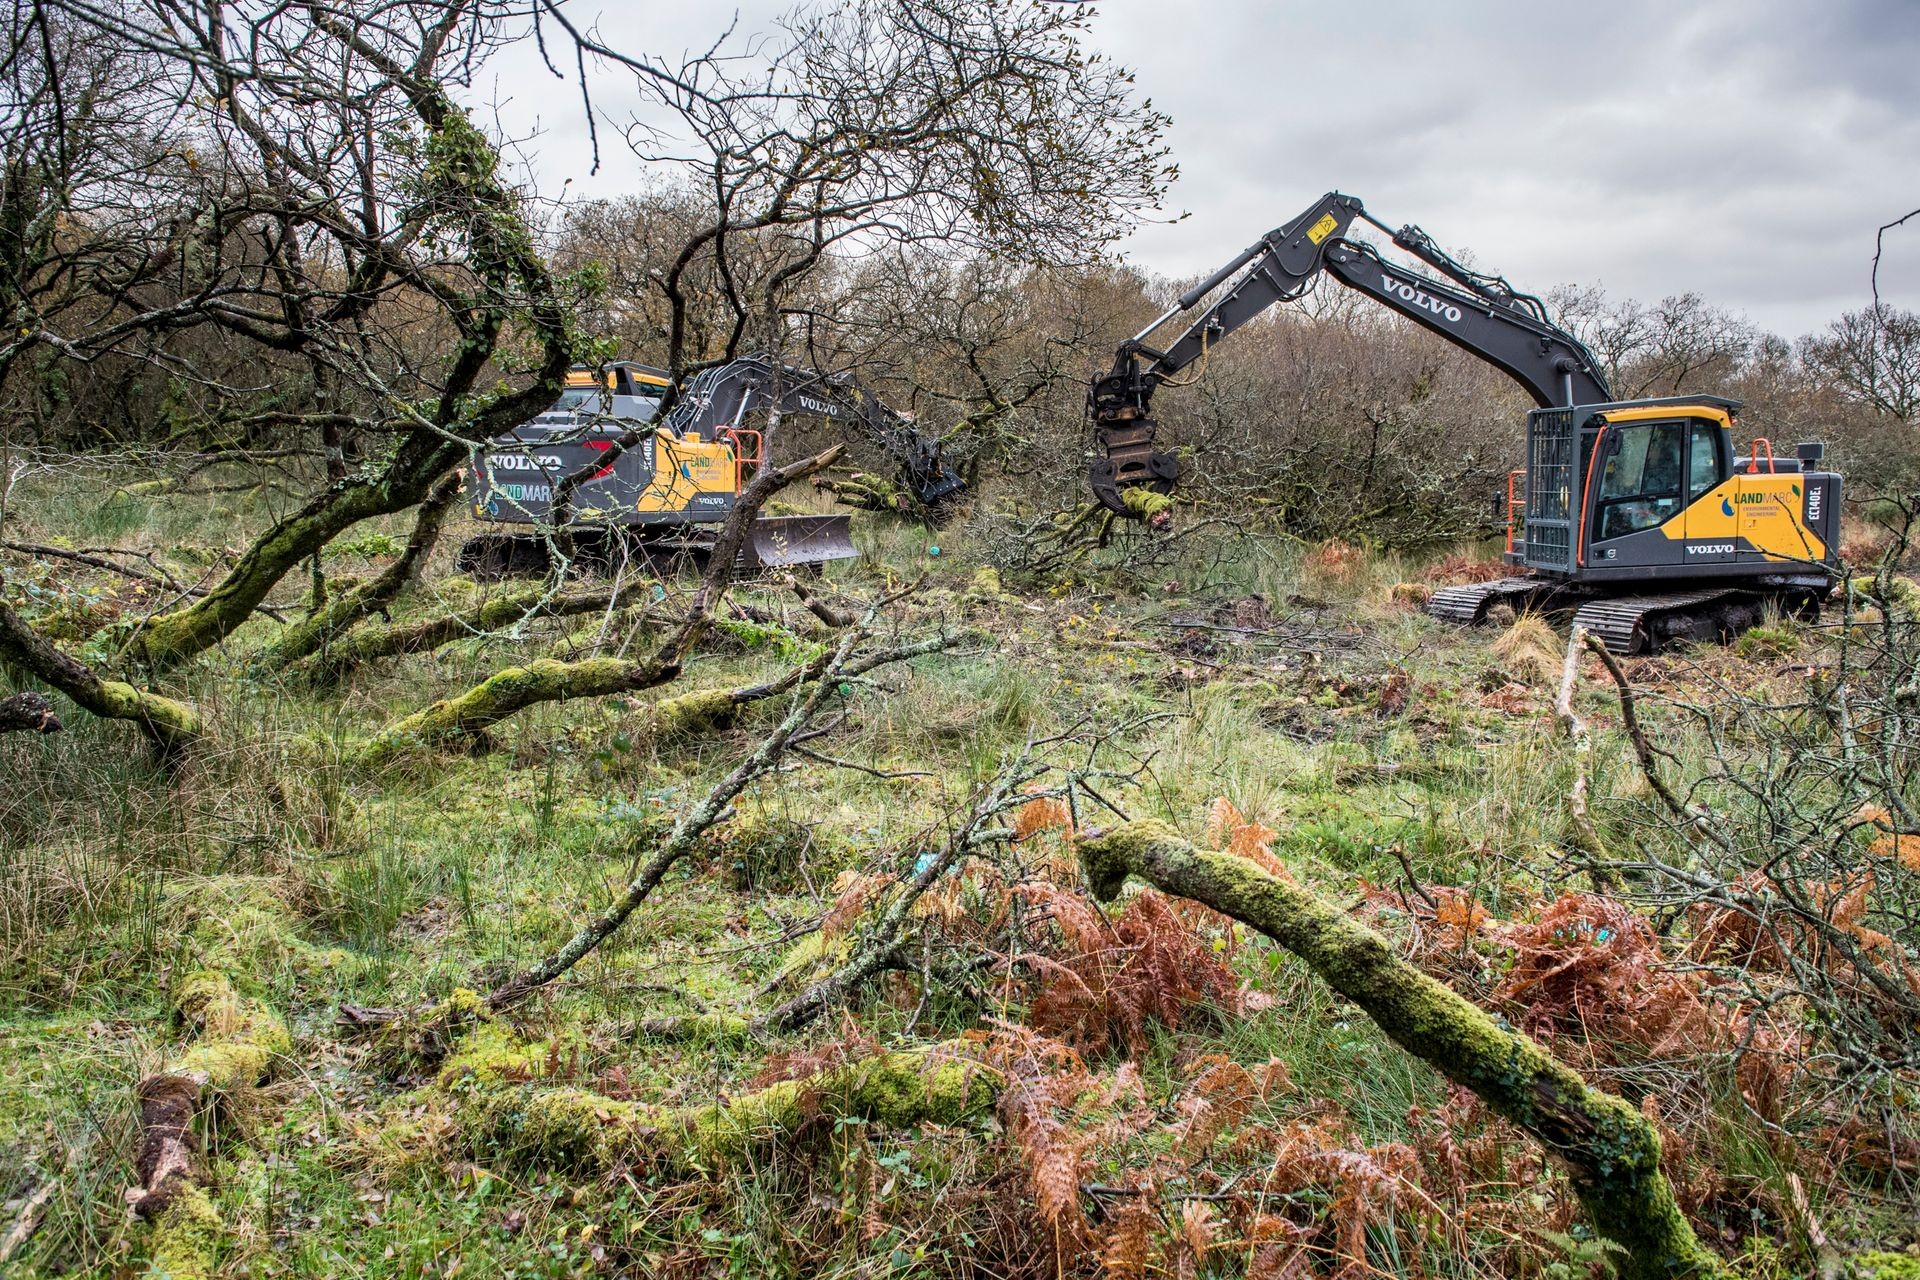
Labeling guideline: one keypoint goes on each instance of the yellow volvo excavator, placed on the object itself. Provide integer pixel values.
(661, 493)
(1640, 517)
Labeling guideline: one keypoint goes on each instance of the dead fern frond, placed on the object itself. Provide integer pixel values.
(1125, 1248)
(1045, 814)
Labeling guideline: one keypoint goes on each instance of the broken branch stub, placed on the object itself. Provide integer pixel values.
(28, 713)
(1610, 1151)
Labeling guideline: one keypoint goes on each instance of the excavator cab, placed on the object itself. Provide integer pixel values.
(1654, 490)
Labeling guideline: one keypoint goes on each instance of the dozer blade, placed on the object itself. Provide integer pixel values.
(777, 542)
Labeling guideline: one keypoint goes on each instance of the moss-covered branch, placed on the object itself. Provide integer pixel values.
(1609, 1149)
(469, 715)
(502, 611)
(315, 632)
(586, 1132)
(173, 726)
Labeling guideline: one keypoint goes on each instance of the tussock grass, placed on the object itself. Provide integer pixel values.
(421, 880)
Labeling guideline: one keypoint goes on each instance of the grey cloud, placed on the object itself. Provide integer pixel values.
(1745, 149)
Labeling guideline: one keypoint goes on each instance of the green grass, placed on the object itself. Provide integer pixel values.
(452, 870)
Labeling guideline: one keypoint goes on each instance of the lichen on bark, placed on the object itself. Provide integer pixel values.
(1611, 1152)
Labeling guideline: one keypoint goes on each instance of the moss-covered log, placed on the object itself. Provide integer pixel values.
(469, 715)
(495, 614)
(173, 726)
(579, 1130)
(336, 616)
(236, 930)
(238, 1039)
(1611, 1152)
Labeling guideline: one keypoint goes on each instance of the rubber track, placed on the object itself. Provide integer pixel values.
(1621, 622)
(1467, 605)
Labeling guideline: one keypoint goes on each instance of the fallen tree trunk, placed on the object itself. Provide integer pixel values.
(337, 616)
(339, 659)
(469, 715)
(1610, 1151)
(238, 1041)
(172, 726)
(589, 1133)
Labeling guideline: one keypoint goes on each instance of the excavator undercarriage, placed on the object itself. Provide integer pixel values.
(773, 542)
(1628, 625)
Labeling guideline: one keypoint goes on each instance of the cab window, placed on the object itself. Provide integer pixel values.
(1640, 478)
(1703, 460)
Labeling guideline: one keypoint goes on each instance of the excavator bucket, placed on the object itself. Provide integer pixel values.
(778, 542)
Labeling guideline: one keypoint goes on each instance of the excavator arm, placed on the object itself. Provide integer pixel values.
(1475, 311)
(720, 399)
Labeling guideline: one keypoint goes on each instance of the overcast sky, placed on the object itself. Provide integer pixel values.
(1743, 149)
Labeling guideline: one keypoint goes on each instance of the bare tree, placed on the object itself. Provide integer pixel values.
(1681, 343)
(1872, 357)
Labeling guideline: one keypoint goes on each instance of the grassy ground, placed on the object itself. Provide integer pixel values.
(1374, 743)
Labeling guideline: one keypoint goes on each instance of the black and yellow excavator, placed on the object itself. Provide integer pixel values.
(663, 498)
(1641, 517)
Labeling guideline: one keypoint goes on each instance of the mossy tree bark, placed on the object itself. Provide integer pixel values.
(340, 658)
(469, 715)
(333, 619)
(1610, 1151)
(586, 1132)
(173, 726)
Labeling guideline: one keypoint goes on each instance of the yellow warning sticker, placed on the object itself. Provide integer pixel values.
(1322, 229)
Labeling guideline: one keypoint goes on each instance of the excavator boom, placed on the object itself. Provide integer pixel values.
(1475, 311)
